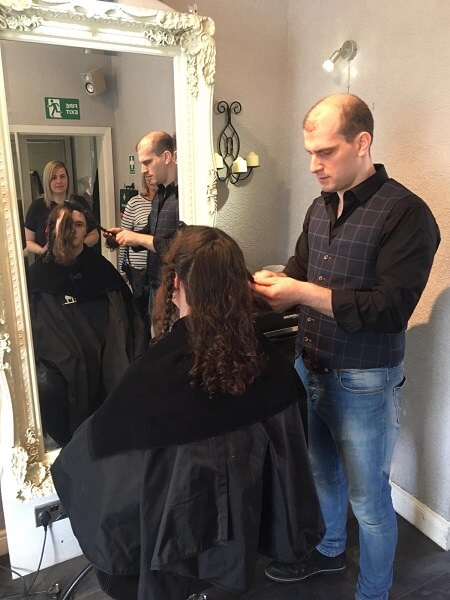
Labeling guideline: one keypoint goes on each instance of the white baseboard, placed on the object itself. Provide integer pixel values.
(418, 514)
(3, 542)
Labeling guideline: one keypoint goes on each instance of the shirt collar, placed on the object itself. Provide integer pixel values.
(364, 190)
(165, 190)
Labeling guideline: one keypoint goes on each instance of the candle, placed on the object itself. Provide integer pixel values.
(218, 160)
(239, 165)
(252, 159)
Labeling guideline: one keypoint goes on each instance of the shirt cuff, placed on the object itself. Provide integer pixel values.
(161, 244)
(345, 310)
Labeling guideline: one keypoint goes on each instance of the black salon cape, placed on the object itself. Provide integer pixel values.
(85, 335)
(162, 477)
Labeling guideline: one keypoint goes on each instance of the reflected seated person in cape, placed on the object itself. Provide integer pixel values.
(197, 460)
(85, 329)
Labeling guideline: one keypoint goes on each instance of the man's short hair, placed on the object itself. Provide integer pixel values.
(162, 141)
(355, 115)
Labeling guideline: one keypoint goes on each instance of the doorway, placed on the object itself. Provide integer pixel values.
(87, 153)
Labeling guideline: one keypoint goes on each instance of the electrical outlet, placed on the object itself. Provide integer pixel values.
(55, 510)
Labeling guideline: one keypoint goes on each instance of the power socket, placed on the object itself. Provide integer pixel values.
(54, 509)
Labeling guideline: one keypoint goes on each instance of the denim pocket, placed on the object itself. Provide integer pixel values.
(397, 393)
(364, 381)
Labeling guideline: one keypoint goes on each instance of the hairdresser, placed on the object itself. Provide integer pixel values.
(158, 157)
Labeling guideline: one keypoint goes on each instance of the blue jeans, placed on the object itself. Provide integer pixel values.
(353, 425)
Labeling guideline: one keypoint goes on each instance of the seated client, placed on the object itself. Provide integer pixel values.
(85, 330)
(197, 460)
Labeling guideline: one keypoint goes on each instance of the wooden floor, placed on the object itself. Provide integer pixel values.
(422, 572)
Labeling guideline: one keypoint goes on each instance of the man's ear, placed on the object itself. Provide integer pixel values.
(167, 157)
(365, 139)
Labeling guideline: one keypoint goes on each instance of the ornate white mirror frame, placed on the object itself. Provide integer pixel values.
(104, 26)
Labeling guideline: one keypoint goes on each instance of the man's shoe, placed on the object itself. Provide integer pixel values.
(313, 564)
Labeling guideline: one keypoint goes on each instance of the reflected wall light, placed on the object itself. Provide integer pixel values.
(346, 52)
(229, 165)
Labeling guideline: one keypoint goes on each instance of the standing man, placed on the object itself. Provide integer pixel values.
(157, 154)
(360, 266)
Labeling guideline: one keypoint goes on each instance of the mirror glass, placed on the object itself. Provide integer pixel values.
(126, 106)
(158, 70)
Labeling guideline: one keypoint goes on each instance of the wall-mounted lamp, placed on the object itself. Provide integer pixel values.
(229, 165)
(94, 82)
(346, 52)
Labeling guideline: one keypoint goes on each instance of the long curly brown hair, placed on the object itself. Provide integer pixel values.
(226, 354)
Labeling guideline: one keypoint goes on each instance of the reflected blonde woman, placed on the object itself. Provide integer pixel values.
(55, 181)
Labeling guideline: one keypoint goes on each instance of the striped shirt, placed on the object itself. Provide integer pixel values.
(135, 218)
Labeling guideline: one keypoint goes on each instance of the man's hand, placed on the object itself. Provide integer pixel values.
(110, 237)
(282, 292)
(279, 291)
(112, 231)
(261, 276)
(122, 236)
(125, 237)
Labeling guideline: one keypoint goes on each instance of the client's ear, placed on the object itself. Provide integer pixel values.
(176, 282)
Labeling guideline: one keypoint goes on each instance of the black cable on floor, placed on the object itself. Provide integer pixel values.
(11, 570)
(28, 591)
(53, 591)
(75, 582)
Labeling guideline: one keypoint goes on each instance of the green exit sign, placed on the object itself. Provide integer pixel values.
(62, 108)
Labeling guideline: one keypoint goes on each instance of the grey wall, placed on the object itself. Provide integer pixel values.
(251, 42)
(269, 57)
(139, 94)
(145, 102)
(34, 71)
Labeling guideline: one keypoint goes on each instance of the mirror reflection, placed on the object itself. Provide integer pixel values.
(81, 348)
(48, 191)
(84, 328)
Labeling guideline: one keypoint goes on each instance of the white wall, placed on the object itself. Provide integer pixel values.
(269, 58)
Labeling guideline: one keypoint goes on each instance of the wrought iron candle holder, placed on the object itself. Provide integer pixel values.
(229, 165)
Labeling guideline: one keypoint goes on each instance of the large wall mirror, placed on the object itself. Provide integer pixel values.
(159, 69)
